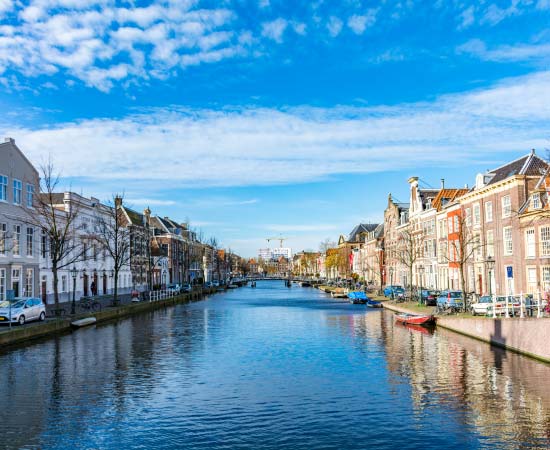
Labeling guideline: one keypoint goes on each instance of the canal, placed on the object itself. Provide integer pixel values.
(270, 368)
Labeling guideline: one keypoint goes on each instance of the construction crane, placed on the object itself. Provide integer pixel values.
(281, 239)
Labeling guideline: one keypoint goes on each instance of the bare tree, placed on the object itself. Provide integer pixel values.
(59, 221)
(408, 251)
(326, 244)
(114, 236)
(462, 248)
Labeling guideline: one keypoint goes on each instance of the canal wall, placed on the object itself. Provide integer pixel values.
(18, 334)
(528, 336)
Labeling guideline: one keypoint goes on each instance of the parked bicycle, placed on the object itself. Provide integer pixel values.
(89, 305)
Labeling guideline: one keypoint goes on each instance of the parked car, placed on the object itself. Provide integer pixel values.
(215, 283)
(186, 288)
(394, 290)
(208, 284)
(482, 306)
(23, 311)
(429, 297)
(449, 299)
(174, 287)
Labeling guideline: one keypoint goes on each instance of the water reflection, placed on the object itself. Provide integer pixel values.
(270, 368)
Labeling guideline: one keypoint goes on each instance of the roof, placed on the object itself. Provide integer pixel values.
(58, 198)
(362, 228)
(135, 217)
(530, 165)
(446, 196)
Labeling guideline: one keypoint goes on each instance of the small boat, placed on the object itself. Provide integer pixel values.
(374, 304)
(339, 293)
(414, 319)
(358, 297)
(83, 322)
(305, 284)
(232, 286)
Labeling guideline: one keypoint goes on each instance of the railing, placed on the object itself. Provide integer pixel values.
(155, 296)
(519, 305)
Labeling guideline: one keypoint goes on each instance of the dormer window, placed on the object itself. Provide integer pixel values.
(535, 201)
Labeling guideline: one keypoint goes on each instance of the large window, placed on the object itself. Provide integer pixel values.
(488, 211)
(536, 200)
(3, 233)
(545, 241)
(490, 244)
(30, 195)
(17, 240)
(545, 276)
(507, 241)
(468, 217)
(530, 248)
(30, 241)
(506, 206)
(531, 280)
(17, 191)
(477, 214)
(29, 282)
(3, 188)
(44, 244)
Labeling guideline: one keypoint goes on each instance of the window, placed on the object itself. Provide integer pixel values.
(450, 224)
(545, 241)
(506, 206)
(2, 284)
(63, 283)
(30, 195)
(477, 214)
(29, 283)
(488, 211)
(16, 239)
(44, 244)
(30, 238)
(478, 247)
(531, 279)
(507, 240)
(530, 249)
(3, 188)
(17, 188)
(457, 225)
(468, 217)
(3, 232)
(545, 277)
(536, 201)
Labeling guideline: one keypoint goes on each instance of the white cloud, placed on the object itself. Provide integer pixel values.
(334, 26)
(543, 4)
(274, 30)
(506, 53)
(260, 146)
(149, 202)
(100, 44)
(359, 24)
(496, 14)
(466, 18)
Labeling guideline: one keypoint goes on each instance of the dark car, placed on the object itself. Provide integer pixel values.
(394, 291)
(429, 297)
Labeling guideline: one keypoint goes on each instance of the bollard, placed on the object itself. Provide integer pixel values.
(521, 315)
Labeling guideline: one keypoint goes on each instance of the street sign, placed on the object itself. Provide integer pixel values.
(509, 272)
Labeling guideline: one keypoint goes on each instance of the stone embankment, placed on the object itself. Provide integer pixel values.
(20, 334)
(527, 336)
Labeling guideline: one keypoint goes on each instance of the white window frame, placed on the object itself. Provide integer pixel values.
(17, 191)
(476, 212)
(490, 243)
(507, 241)
(3, 188)
(535, 201)
(30, 195)
(3, 237)
(530, 244)
(544, 244)
(30, 241)
(488, 211)
(16, 250)
(30, 271)
(506, 203)
(2, 284)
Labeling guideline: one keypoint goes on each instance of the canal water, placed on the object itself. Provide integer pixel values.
(270, 368)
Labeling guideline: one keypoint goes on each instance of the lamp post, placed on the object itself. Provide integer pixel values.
(391, 281)
(74, 273)
(421, 272)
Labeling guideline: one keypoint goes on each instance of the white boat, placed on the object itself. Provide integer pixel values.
(232, 286)
(83, 322)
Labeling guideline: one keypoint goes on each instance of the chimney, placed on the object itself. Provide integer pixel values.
(118, 201)
(147, 214)
(9, 139)
(442, 183)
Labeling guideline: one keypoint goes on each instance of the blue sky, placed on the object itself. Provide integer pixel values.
(264, 117)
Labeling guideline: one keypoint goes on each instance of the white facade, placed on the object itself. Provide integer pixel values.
(267, 254)
(94, 271)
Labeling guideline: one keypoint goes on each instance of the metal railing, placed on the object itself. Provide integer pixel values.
(519, 305)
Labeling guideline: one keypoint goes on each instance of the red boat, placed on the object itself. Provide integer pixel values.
(415, 319)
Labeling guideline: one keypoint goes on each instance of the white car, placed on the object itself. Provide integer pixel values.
(23, 311)
(485, 306)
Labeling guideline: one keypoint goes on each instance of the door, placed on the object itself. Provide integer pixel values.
(16, 282)
(30, 310)
(104, 284)
(44, 291)
(85, 284)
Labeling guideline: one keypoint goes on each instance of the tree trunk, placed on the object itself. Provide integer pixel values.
(55, 286)
(115, 293)
(411, 280)
(463, 283)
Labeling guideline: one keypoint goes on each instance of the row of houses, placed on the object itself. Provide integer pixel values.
(492, 238)
(43, 229)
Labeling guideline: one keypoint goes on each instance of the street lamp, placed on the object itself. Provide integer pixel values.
(421, 272)
(74, 274)
(490, 261)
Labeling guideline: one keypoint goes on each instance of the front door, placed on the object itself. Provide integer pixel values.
(104, 284)
(85, 284)
(43, 289)
(16, 282)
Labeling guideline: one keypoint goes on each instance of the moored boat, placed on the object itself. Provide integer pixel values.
(358, 297)
(305, 284)
(374, 304)
(83, 322)
(415, 319)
